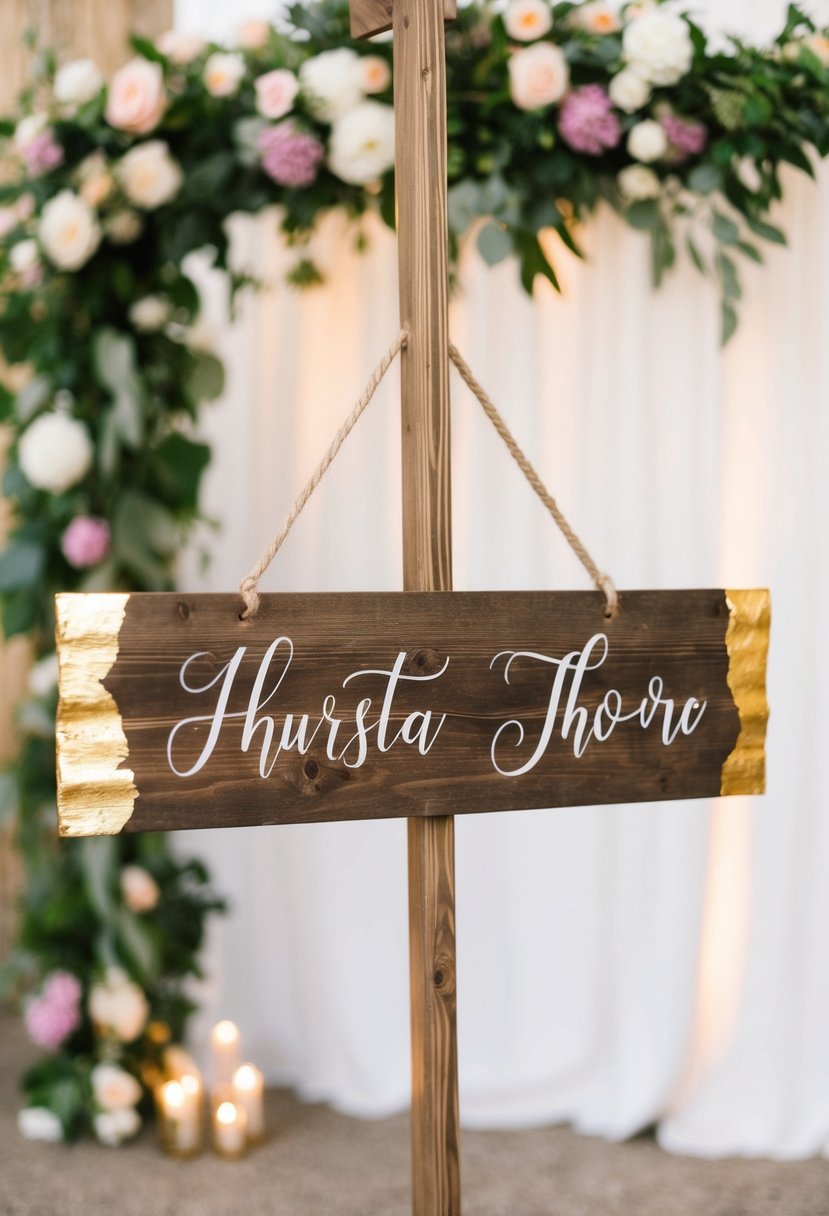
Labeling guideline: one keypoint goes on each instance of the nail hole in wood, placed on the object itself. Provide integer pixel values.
(183, 610)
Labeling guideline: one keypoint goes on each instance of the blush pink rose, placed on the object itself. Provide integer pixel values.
(55, 1013)
(86, 541)
(275, 93)
(136, 100)
(538, 75)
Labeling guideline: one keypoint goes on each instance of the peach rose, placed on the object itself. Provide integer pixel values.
(136, 100)
(538, 76)
(275, 93)
(375, 74)
(253, 34)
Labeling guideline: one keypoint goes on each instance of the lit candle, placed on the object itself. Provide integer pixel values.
(226, 1052)
(248, 1090)
(230, 1127)
(179, 1117)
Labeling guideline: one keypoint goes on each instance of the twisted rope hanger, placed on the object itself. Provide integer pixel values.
(248, 588)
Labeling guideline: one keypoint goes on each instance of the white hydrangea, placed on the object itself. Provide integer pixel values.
(332, 82)
(629, 91)
(647, 141)
(658, 46)
(149, 174)
(39, 1123)
(77, 82)
(55, 452)
(69, 231)
(362, 143)
(637, 183)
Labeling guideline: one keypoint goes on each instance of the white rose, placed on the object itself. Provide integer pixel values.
(123, 227)
(658, 46)
(149, 314)
(526, 20)
(223, 73)
(138, 887)
(77, 82)
(629, 91)
(332, 82)
(114, 1088)
(637, 183)
(113, 1127)
(179, 47)
(538, 76)
(28, 129)
(118, 1006)
(43, 678)
(647, 141)
(24, 256)
(39, 1123)
(362, 143)
(149, 175)
(69, 231)
(55, 452)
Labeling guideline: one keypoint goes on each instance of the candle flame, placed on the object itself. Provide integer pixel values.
(190, 1084)
(172, 1094)
(226, 1113)
(245, 1077)
(226, 1032)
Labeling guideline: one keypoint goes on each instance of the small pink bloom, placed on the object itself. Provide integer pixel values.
(136, 100)
(42, 154)
(275, 92)
(8, 220)
(53, 1015)
(290, 156)
(86, 541)
(687, 138)
(587, 121)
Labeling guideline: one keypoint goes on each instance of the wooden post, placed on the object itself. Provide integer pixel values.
(420, 107)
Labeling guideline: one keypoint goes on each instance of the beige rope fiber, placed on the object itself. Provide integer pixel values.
(248, 586)
(603, 581)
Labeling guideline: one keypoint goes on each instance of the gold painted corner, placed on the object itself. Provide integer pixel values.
(95, 796)
(747, 643)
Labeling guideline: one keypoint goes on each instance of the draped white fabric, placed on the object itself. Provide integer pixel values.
(617, 965)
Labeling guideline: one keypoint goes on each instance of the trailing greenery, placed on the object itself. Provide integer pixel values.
(553, 109)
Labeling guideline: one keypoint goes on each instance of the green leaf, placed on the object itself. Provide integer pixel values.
(729, 277)
(139, 944)
(725, 230)
(750, 251)
(644, 215)
(494, 243)
(705, 179)
(99, 863)
(206, 380)
(144, 536)
(695, 255)
(767, 231)
(20, 611)
(114, 362)
(180, 464)
(31, 399)
(729, 323)
(21, 565)
(9, 796)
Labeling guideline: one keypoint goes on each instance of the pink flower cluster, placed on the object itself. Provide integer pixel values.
(587, 121)
(86, 541)
(290, 156)
(42, 154)
(55, 1013)
(686, 138)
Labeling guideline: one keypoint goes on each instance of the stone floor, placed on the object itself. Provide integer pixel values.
(318, 1163)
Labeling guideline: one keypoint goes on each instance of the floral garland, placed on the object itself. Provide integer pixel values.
(553, 108)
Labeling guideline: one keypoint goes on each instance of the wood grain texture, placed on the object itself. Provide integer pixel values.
(423, 244)
(370, 17)
(678, 636)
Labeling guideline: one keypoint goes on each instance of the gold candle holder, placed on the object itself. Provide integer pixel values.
(230, 1130)
(180, 1119)
(249, 1092)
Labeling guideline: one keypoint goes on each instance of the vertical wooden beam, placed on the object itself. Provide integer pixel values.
(420, 106)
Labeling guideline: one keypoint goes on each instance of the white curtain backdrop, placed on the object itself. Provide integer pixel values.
(620, 965)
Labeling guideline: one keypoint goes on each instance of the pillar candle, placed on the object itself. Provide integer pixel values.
(179, 1117)
(225, 1045)
(248, 1091)
(230, 1130)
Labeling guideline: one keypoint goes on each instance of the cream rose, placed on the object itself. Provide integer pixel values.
(253, 34)
(118, 1006)
(362, 143)
(538, 76)
(114, 1088)
(24, 256)
(28, 129)
(597, 18)
(275, 92)
(658, 46)
(180, 47)
(332, 83)
(526, 20)
(149, 175)
(149, 314)
(138, 887)
(375, 74)
(69, 231)
(113, 1127)
(96, 181)
(123, 227)
(223, 73)
(629, 91)
(637, 183)
(136, 101)
(647, 141)
(55, 452)
(77, 82)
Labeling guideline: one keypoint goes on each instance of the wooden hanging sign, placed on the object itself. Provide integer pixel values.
(174, 713)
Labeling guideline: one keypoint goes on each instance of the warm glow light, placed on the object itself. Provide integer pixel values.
(245, 1077)
(173, 1094)
(190, 1084)
(226, 1032)
(226, 1113)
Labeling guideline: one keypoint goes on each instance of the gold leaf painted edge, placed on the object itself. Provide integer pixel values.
(95, 796)
(747, 643)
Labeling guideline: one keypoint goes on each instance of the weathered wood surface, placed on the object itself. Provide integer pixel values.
(679, 637)
(370, 17)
